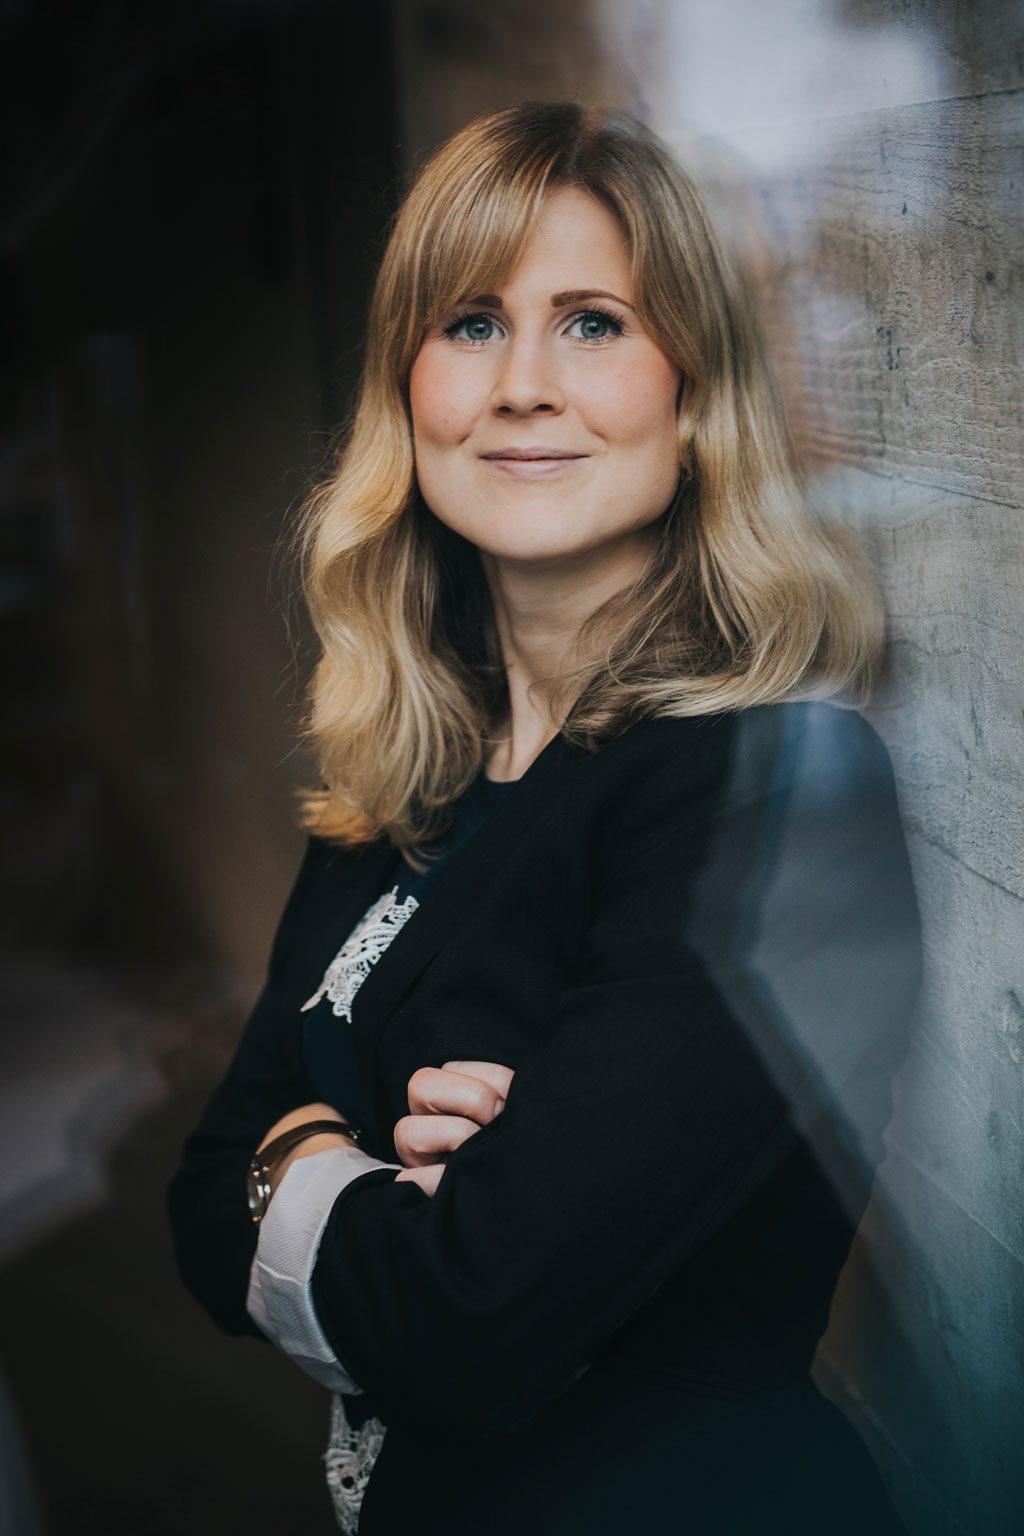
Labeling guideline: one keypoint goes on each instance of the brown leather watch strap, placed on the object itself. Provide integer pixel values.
(273, 1152)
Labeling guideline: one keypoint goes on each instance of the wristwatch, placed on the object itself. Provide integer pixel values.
(263, 1162)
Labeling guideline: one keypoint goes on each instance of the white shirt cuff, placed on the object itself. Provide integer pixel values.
(279, 1299)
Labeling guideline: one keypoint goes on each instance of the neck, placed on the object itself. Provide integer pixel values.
(540, 608)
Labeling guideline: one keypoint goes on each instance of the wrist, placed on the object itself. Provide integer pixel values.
(273, 1157)
(324, 1141)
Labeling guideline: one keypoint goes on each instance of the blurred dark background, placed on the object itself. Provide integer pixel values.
(193, 195)
(192, 200)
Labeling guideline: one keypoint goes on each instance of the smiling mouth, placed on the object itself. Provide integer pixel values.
(532, 463)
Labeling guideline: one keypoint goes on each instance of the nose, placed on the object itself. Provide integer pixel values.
(527, 382)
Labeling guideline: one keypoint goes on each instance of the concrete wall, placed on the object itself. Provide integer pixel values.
(868, 158)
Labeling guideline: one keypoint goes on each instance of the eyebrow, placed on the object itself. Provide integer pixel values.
(558, 300)
(578, 295)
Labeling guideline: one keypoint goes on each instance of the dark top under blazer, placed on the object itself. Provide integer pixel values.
(698, 948)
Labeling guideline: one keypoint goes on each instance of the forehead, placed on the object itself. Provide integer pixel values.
(575, 243)
(565, 240)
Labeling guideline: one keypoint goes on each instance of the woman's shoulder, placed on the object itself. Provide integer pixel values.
(812, 773)
(792, 819)
(807, 723)
(815, 748)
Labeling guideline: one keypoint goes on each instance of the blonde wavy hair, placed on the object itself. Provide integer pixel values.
(747, 598)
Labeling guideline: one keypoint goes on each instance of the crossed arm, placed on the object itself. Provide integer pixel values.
(446, 1106)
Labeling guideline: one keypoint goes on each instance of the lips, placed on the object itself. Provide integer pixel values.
(525, 455)
(535, 463)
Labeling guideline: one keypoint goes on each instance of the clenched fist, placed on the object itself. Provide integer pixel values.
(446, 1105)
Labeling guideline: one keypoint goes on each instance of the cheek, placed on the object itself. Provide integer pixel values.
(639, 402)
(441, 399)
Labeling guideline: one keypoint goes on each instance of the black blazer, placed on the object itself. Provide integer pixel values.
(698, 948)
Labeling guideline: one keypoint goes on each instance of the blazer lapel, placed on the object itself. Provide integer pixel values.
(456, 887)
(359, 875)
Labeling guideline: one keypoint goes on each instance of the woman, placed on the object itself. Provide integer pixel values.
(604, 942)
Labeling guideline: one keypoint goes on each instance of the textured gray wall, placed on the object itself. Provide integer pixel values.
(868, 158)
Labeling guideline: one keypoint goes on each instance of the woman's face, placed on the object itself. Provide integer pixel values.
(544, 417)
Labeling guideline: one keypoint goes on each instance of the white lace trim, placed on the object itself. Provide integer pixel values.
(361, 951)
(349, 1460)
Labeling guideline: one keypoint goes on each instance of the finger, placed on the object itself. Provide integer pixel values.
(494, 1072)
(421, 1139)
(437, 1091)
(427, 1178)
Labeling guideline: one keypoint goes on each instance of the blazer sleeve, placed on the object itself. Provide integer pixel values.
(213, 1231)
(666, 1089)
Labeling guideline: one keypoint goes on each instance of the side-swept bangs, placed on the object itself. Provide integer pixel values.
(461, 231)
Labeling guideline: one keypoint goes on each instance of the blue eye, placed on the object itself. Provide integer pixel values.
(472, 328)
(596, 325)
(592, 325)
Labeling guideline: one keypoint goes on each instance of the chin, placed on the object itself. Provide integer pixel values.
(521, 544)
(537, 554)
(544, 535)
(552, 543)
(545, 552)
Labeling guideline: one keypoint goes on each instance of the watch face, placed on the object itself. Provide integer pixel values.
(257, 1189)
